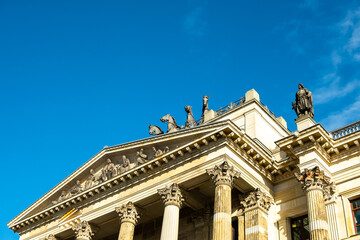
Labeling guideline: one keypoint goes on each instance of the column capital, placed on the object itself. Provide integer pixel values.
(51, 237)
(171, 195)
(315, 179)
(256, 198)
(84, 230)
(128, 213)
(224, 174)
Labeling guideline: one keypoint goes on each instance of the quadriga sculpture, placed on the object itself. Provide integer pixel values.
(190, 121)
(171, 123)
(155, 130)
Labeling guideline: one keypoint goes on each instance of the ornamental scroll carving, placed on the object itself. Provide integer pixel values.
(109, 171)
(316, 179)
(256, 198)
(223, 174)
(84, 230)
(171, 195)
(128, 213)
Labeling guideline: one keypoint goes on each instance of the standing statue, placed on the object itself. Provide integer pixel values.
(172, 125)
(205, 106)
(190, 121)
(141, 157)
(155, 130)
(303, 104)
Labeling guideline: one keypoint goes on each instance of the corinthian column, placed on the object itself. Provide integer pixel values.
(255, 206)
(84, 230)
(128, 219)
(172, 199)
(223, 176)
(314, 182)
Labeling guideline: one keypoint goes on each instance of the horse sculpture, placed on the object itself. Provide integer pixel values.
(172, 125)
(155, 130)
(190, 121)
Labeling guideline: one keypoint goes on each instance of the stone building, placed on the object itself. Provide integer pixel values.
(238, 173)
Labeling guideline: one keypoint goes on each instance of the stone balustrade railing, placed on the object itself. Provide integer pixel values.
(346, 130)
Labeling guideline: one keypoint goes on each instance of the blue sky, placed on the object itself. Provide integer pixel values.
(79, 75)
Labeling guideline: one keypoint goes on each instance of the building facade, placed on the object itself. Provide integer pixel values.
(237, 174)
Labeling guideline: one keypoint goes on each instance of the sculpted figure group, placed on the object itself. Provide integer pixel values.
(171, 122)
(109, 171)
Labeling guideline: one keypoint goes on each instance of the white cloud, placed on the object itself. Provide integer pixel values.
(334, 89)
(349, 114)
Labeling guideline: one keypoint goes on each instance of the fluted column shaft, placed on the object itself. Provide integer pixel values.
(129, 216)
(318, 225)
(316, 184)
(223, 176)
(172, 199)
(222, 212)
(170, 224)
(241, 227)
(126, 231)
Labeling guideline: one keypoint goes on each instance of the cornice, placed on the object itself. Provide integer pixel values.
(256, 155)
(107, 150)
(316, 138)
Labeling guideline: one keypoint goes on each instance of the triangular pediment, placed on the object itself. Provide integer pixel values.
(110, 162)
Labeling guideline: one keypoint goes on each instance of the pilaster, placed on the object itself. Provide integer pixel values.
(255, 206)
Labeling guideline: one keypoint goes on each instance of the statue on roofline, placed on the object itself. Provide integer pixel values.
(303, 104)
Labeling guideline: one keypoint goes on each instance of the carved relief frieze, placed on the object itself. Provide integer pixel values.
(256, 198)
(159, 152)
(108, 171)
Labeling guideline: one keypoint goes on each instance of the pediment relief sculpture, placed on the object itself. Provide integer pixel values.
(159, 152)
(141, 157)
(109, 171)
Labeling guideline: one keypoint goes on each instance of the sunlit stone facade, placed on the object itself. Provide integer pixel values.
(238, 174)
